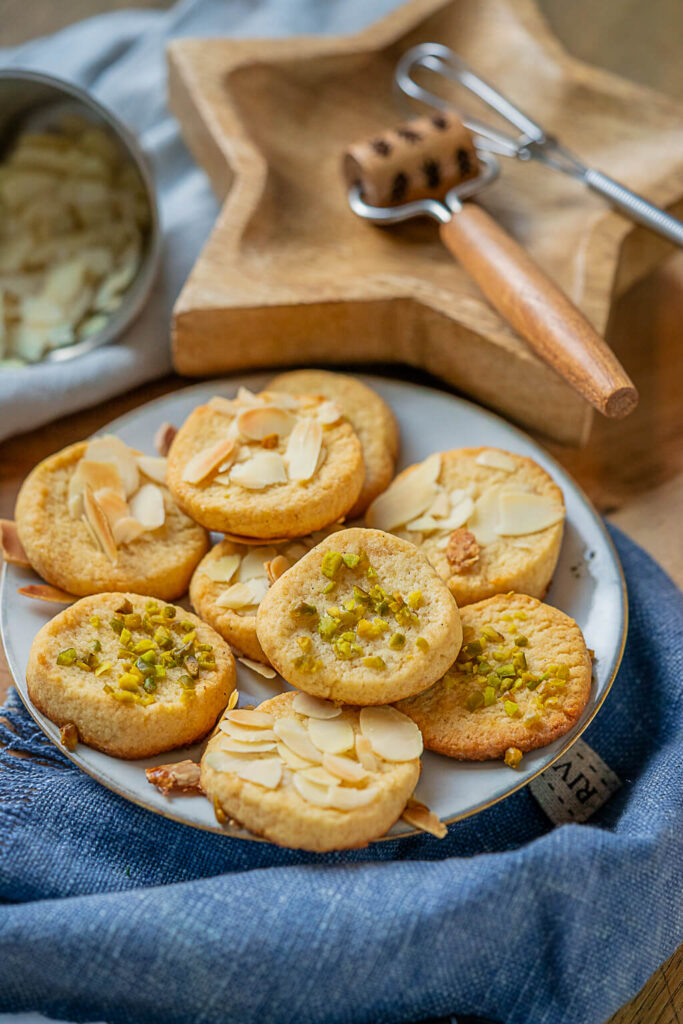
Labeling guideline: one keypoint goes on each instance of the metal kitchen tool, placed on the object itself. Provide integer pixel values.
(532, 144)
(428, 167)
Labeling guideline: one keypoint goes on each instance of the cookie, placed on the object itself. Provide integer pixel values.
(134, 676)
(362, 618)
(98, 517)
(312, 775)
(489, 521)
(522, 679)
(266, 466)
(369, 415)
(230, 581)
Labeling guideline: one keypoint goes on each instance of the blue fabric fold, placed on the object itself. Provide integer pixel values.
(112, 913)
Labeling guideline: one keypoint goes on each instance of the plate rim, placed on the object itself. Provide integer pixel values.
(366, 378)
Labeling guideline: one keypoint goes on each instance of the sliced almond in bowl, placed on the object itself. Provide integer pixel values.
(393, 735)
(331, 735)
(303, 449)
(314, 707)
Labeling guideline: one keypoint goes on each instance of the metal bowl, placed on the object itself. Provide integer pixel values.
(32, 100)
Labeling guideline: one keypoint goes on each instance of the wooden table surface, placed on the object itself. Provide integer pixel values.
(632, 470)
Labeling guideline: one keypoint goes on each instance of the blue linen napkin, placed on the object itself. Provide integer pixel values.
(112, 913)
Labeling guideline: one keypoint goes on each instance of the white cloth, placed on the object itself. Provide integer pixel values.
(120, 58)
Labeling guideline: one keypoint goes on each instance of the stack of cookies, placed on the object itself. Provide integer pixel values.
(424, 625)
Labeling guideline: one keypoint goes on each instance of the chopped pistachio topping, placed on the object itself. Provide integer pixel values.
(475, 700)
(332, 561)
(375, 662)
(67, 657)
(422, 644)
(397, 641)
(511, 708)
(513, 756)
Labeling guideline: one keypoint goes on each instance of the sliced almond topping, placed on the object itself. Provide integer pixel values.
(277, 567)
(127, 530)
(226, 406)
(163, 438)
(495, 459)
(243, 595)
(222, 569)
(344, 768)
(343, 799)
(114, 506)
(110, 448)
(310, 791)
(75, 495)
(239, 747)
(303, 449)
(257, 424)
(295, 551)
(462, 550)
(458, 515)
(331, 735)
(253, 563)
(393, 735)
(291, 759)
(527, 513)
(12, 549)
(407, 497)
(238, 538)
(205, 462)
(263, 670)
(320, 776)
(234, 697)
(425, 524)
(245, 733)
(153, 468)
(441, 506)
(99, 524)
(147, 506)
(364, 753)
(485, 518)
(100, 476)
(314, 707)
(44, 592)
(328, 412)
(282, 399)
(254, 719)
(247, 397)
(419, 816)
(182, 777)
(293, 734)
(263, 469)
(264, 771)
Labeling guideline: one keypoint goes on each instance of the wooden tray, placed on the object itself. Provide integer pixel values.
(290, 276)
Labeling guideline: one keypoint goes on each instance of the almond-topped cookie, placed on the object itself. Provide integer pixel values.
(231, 580)
(489, 521)
(97, 516)
(369, 415)
(271, 465)
(310, 774)
(522, 679)
(130, 676)
(362, 618)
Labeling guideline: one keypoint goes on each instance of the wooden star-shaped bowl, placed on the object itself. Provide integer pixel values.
(290, 276)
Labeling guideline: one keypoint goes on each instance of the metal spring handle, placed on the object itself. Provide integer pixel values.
(532, 144)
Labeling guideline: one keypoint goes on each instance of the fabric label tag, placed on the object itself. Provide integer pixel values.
(576, 786)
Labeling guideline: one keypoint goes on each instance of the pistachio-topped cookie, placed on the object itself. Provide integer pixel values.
(369, 415)
(310, 774)
(97, 516)
(231, 580)
(134, 677)
(488, 520)
(522, 679)
(266, 466)
(362, 618)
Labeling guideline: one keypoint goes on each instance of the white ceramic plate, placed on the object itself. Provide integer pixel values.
(588, 585)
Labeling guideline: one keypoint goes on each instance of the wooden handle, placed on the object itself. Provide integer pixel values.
(539, 310)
